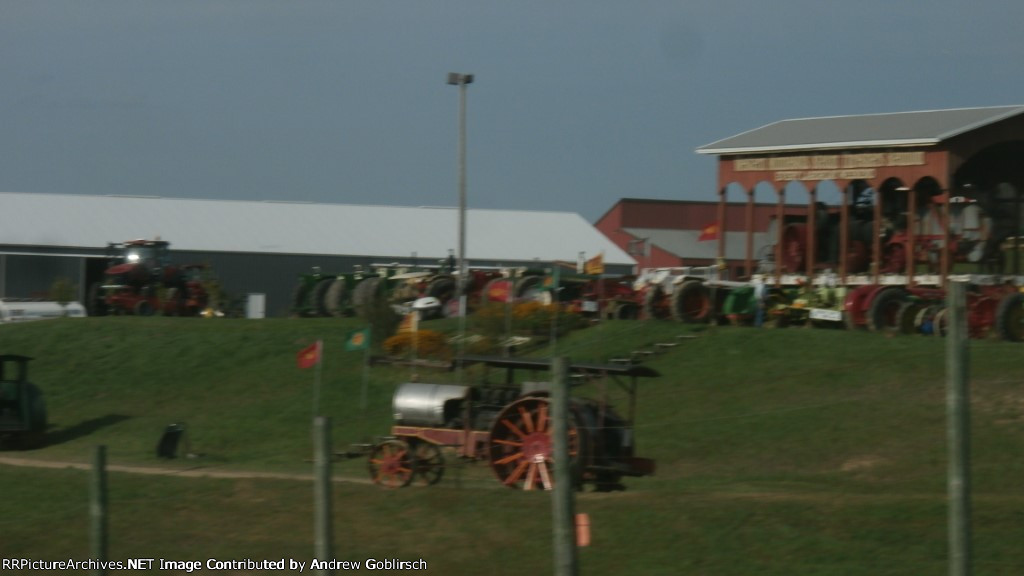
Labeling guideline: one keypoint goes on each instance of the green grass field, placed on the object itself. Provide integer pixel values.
(779, 452)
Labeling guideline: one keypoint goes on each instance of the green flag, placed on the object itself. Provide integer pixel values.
(358, 340)
(551, 280)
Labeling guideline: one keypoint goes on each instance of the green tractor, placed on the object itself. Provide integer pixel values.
(321, 295)
(22, 411)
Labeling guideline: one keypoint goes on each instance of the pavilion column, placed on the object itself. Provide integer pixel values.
(844, 232)
(812, 218)
(778, 235)
(749, 264)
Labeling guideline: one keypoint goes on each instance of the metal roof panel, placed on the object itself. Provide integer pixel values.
(69, 220)
(921, 128)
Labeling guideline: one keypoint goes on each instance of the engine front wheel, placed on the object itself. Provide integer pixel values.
(391, 464)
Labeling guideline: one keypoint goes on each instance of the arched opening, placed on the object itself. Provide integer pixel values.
(766, 227)
(828, 209)
(731, 193)
(794, 253)
(859, 231)
(891, 220)
(929, 225)
(989, 187)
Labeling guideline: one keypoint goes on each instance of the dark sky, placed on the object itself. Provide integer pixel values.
(576, 103)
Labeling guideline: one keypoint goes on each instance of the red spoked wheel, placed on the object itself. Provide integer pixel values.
(521, 446)
(391, 464)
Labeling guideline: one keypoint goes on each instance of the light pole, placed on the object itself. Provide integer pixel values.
(462, 80)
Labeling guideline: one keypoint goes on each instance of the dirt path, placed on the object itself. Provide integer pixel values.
(194, 472)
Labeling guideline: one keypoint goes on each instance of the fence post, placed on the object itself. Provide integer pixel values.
(98, 509)
(322, 491)
(958, 432)
(562, 494)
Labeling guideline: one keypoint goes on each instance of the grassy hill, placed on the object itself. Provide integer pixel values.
(779, 452)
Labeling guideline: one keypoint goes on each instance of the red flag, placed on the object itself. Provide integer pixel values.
(309, 356)
(709, 232)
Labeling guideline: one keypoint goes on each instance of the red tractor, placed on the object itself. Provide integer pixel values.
(142, 280)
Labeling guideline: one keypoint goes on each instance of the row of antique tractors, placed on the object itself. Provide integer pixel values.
(821, 269)
(434, 291)
(684, 294)
(992, 308)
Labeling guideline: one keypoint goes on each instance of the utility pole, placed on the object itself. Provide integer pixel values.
(462, 81)
(958, 432)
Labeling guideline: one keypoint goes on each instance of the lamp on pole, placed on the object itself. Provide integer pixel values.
(462, 80)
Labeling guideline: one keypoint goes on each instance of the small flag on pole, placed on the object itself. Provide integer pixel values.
(358, 340)
(309, 356)
(595, 265)
(709, 232)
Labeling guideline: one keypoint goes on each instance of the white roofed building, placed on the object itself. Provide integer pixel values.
(262, 247)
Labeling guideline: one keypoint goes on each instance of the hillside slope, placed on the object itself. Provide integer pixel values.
(778, 451)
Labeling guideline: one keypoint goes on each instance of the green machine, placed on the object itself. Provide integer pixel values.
(22, 411)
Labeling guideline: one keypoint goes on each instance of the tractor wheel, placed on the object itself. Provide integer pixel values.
(443, 288)
(1010, 318)
(528, 288)
(941, 322)
(391, 464)
(691, 302)
(364, 297)
(299, 295)
(627, 311)
(883, 310)
(143, 308)
(657, 304)
(498, 290)
(853, 307)
(427, 464)
(924, 322)
(906, 316)
(334, 299)
(521, 449)
(318, 296)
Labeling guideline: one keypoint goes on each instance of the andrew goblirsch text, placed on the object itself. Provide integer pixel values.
(283, 564)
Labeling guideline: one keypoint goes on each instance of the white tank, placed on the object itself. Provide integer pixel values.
(422, 404)
(18, 311)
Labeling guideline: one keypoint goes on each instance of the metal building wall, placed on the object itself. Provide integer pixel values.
(274, 275)
(32, 276)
